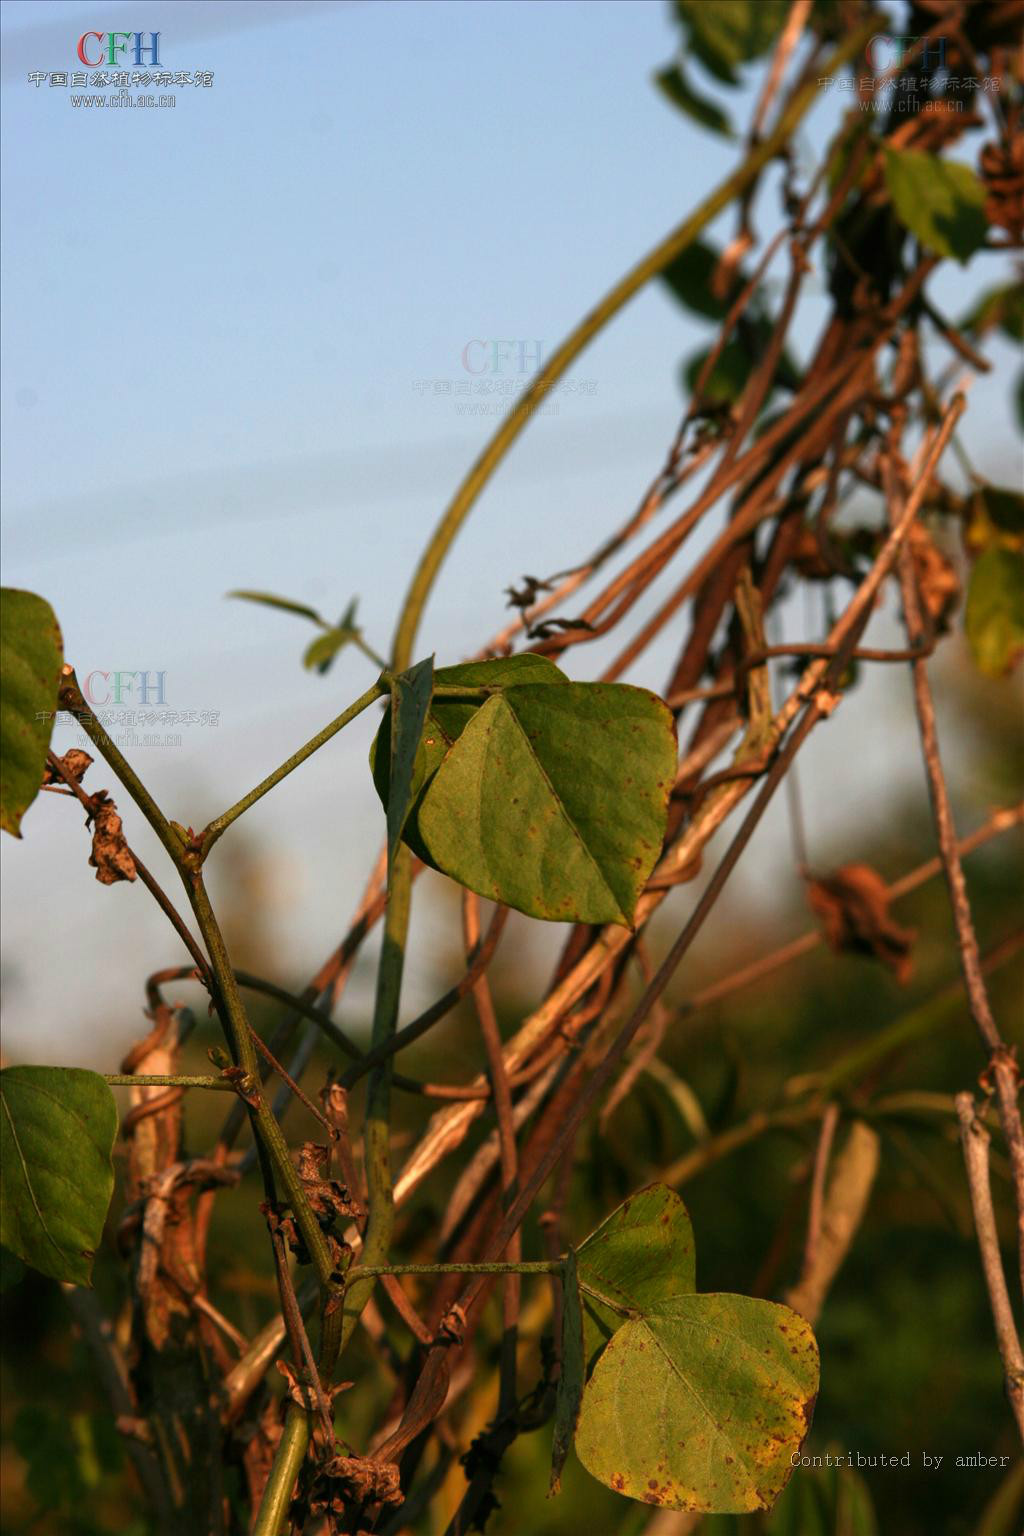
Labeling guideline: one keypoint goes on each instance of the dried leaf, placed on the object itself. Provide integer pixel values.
(853, 905)
(328, 1197)
(74, 762)
(936, 578)
(111, 857)
(357, 1479)
(1002, 171)
(303, 1394)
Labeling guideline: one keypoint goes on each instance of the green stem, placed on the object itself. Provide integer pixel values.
(165, 1080)
(377, 1126)
(525, 1267)
(370, 653)
(244, 1051)
(293, 1444)
(565, 355)
(288, 1459)
(220, 824)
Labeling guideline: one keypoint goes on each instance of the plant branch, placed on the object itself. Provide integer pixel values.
(975, 1141)
(220, 824)
(1003, 1064)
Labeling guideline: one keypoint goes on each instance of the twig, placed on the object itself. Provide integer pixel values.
(975, 1141)
(829, 1122)
(501, 1093)
(1003, 1064)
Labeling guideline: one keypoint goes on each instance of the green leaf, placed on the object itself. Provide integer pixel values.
(410, 704)
(12, 1271)
(1000, 307)
(554, 800)
(322, 651)
(446, 720)
(1005, 507)
(643, 1252)
(570, 1380)
(285, 603)
(726, 33)
(680, 1099)
(31, 657)
(57, 1129)
(994, 617)
(673, 84)
(736, 362)
(690, 276)
(941, 202)
(639, 1254)
(728, 377)
(701, 1403)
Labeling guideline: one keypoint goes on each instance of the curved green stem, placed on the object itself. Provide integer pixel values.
(220, 824)
(564, 356)
(288, 1459)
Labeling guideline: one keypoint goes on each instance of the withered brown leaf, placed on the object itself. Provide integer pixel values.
(853, 905)
(366, 1481)
(111, 857)
(74, 762)
(936, 580)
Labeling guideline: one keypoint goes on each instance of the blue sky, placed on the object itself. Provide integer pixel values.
(222, 329)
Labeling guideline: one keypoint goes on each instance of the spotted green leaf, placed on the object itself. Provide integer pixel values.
(700, 1403)
(57, 1129)
(554, 800)
(641, 1254)
(31, 657)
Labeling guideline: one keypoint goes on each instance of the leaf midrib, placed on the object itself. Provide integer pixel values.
(574, 829)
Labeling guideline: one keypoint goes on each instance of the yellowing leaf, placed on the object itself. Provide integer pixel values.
(994, 619)
(701, 1403)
